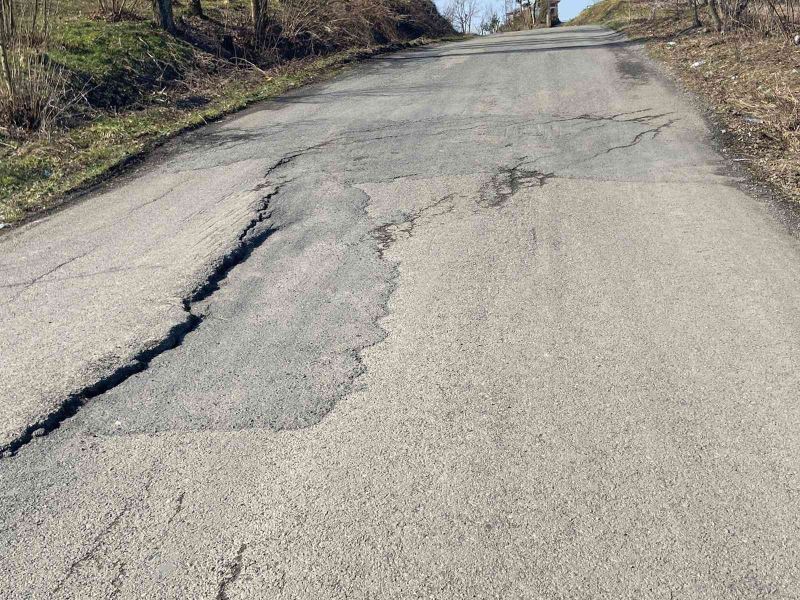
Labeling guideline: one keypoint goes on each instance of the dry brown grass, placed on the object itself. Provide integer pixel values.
(753, 85)
(308, 27)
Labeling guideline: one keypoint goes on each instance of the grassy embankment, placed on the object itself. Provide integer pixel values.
(751, 81)
(139, 86)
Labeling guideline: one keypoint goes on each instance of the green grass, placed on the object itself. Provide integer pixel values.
(116, 63)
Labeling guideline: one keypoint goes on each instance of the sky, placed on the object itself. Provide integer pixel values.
(566, 8)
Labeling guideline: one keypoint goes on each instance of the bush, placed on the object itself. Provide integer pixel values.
(34, 89)
(117, 10)
(304, 27)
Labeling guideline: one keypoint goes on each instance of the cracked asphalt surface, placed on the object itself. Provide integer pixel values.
(490, 319)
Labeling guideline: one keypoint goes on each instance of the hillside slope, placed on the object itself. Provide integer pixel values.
(129, 85)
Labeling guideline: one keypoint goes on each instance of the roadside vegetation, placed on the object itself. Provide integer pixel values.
(87, 85)
(742, 57)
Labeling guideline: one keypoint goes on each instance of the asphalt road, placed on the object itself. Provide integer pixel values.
(496, 321)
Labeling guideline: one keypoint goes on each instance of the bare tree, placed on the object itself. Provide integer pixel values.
(453, 12)
(471, 8)
(762, 16)
(695, 13)
(544, 12)
(115, 9)
(739, 9)
(7, 17)
(258, 14)
(462, 14)
(714, 12)
(6, 34)
(490, 22)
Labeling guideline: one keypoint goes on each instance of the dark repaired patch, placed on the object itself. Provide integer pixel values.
(634, 71)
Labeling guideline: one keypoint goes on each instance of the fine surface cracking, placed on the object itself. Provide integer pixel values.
(387, 233)
(233, 570)
(653, 131)
(99, 540)
(508, 181)
(643, 116)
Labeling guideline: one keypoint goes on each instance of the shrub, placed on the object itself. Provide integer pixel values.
(303, 27)
(116, 10)
(32, 88)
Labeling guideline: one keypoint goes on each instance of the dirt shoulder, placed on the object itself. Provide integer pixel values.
(750, 83)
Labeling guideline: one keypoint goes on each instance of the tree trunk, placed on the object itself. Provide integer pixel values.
(162, 10)
(712, 10)
(7, 75)
(741, 6)
(257, 13)
(35, 16)
(544, 11)
(196, 9)
(695, 14)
